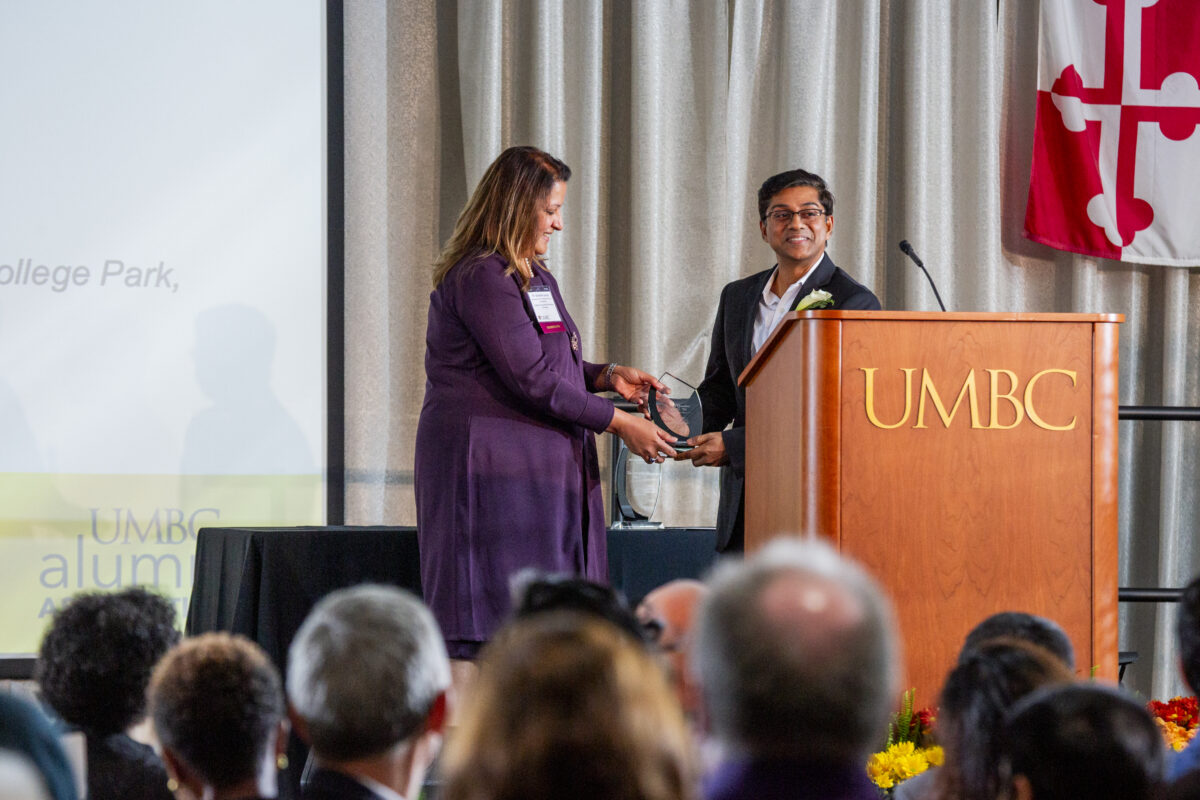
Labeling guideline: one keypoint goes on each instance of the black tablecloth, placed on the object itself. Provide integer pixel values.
(262, 582)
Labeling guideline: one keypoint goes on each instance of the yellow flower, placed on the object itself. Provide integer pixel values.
(935, 756)
(1176, 736)
(899, 762)
(878, 772)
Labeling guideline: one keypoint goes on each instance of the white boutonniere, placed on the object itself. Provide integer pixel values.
(817, 298)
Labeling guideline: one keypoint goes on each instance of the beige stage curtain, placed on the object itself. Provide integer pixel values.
(671, 112)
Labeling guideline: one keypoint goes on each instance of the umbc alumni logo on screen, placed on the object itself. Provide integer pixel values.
(100, 560)
(61, 534)
(1003, 388)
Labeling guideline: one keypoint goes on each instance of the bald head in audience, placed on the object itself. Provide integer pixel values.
(667, 615)
(797, 660)
(367, 681)
(669, 611)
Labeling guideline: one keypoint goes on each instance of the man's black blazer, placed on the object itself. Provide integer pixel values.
(725, 402)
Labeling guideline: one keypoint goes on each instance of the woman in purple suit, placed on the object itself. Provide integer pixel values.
(506, 469)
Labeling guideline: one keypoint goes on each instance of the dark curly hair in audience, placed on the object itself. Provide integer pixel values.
(536, 592)
(96, 657)
(1187, 628)
(215, 700)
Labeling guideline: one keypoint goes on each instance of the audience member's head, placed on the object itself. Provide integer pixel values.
(96, 657)
(568, 705)
(30, 741)
(536, 592)
(1044, 633)
(1081, 740)
(667, 615)
(796, 654)
(367, 681)
(19, 778)
(987, 682)
(217, 706)
(1187, 628)
(1186, 787)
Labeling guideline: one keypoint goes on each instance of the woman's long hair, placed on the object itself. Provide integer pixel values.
(974, 700)
(568, 705)
(499, 217)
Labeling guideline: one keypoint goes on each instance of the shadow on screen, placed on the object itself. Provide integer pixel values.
(246, 430)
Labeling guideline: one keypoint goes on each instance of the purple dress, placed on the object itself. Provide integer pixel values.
(506, 471)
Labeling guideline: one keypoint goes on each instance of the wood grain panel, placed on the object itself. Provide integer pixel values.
(960, 520)
(792, 487)
(1104, 501)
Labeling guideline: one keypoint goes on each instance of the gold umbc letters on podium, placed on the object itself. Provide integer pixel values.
(929, 391)
(969, 461)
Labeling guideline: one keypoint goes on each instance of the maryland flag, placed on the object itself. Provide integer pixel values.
(1116, 154)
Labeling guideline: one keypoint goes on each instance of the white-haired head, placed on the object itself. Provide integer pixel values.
(796, 654)
(365, 670)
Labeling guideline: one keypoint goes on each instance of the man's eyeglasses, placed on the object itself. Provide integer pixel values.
(783, 216)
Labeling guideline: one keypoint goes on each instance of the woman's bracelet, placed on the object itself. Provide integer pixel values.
(608, 375)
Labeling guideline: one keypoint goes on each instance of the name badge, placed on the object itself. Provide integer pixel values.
(545, 309)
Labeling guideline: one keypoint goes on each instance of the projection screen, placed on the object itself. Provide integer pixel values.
(163, 266)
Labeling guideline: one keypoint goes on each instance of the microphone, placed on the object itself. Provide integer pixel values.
(906, 248)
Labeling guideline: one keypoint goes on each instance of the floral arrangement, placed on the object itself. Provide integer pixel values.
(909, 749)
(1177, 718)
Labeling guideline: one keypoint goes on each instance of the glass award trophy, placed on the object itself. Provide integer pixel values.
(677, 410)
(636, 487)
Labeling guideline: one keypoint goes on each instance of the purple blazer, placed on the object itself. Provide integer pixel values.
(506, 472)
(789, 779)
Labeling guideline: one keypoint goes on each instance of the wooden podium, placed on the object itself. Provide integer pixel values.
(969, 461)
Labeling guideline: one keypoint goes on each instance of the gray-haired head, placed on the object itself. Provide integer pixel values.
(796, 653)
(364, 671)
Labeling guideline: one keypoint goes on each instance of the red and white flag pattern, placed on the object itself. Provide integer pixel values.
(1116, 154)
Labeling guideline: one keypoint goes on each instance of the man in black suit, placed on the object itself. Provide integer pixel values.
(795, 210)
(367, 681)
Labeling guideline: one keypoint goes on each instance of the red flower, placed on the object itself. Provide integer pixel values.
(1181, 711)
